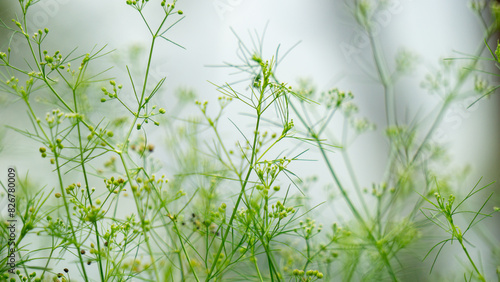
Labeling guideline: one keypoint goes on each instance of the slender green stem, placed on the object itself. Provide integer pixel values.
(345, 196)
(452, 95)
(480, 276)
(350, 169)
(243, 185)
(385, 80)
(308, 253)
(127, 136)
(142, 217)
(236, 205)
(181, 266)
(52, 249)
(61, 185)
(69, 215)
(256, 264)
(271, 263)
(389, 97)
(87, 187)
(228, 156)
(146, 77)
(184, 250)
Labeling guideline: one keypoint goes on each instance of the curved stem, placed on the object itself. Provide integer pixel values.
(142, 217)
(87, 185)
(385, 80)
(243, 184)
(346, 197)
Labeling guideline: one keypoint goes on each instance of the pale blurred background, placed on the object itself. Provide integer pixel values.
(432, 29)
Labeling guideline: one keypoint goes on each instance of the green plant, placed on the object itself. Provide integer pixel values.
(232, 208)
(446, 208)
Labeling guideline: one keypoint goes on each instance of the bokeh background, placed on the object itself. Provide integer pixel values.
(432, 29)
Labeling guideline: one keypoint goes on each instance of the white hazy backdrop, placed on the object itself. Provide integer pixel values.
(432, 29)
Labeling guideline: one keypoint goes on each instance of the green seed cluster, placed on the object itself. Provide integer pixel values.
(56, 228)
(21, 29)
(113, 93)
(140, 4)
(268, 171)
(100, 136)
(406, 61)
(88, 213)
(21, 91)
(141, 146)
(114, 184)
(378, 190)
(361, 125)
(309, 228)
(480, 85)
(334, 98)
(310, 274)
(134, 266)
(224, 101)
(29, 277)
(110, 163)
(53, 62)
(280, 211)
(202, 105)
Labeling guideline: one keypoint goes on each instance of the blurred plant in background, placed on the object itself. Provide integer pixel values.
(235, 204)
